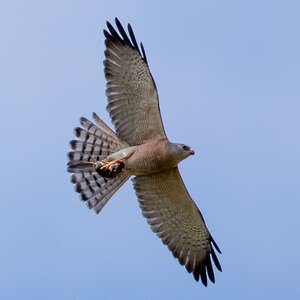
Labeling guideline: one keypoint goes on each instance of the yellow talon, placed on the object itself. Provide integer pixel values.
(106, 164)
(109, 169)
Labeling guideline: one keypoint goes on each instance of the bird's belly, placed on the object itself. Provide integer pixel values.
(147, 164)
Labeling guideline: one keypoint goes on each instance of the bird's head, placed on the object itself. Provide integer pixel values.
(179, 151)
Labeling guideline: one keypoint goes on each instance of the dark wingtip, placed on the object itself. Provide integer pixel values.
(109, 26)
(106, 34)
(203, 275)
(144, 53)
(132, 36)
(215, 244)
(123, 33)
(209, 269)
(113, 35)
(117, 20)
(215, 259)
(196, 276)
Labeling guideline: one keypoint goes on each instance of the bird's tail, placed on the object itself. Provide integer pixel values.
(95, 143)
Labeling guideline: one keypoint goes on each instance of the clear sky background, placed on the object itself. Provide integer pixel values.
(227, 73)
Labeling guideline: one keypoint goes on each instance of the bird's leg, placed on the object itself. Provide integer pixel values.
(106, 164)
(113, 164)
(109, 169)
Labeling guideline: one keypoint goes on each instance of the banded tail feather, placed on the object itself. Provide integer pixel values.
(95, 142)
(96, 190)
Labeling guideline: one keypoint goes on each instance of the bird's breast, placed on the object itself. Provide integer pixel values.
(149, 158)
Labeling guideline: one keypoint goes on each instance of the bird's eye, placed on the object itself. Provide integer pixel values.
(185, 148)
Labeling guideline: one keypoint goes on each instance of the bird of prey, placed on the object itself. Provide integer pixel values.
(102, 160)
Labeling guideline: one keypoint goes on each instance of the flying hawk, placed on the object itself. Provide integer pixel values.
(102, 160)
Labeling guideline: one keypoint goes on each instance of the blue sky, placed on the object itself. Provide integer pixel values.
(227, 73)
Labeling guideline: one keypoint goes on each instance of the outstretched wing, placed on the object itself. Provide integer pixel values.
(132, 96)
(175, 218)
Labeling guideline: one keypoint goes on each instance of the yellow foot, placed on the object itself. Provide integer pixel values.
(106, 164)
(109, 169)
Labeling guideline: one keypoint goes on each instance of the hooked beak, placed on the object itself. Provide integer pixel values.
(192, 152)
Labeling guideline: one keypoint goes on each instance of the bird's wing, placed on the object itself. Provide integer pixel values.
(132, 95)
(175, 218)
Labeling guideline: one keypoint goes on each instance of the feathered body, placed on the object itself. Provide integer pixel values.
(153, 157)
(102, 160)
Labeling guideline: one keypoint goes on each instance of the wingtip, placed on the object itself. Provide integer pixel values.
(123, 37)
(133, 39)
(196, 276)
(117, 21)
(144, 53)
(215, 260)
(215, 245)
(209, 269)
(110, 28)
(203, 275)
(105, 32)
(108, 24)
